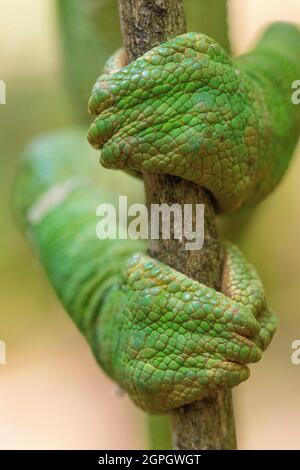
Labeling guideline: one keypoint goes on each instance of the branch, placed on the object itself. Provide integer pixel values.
(207, 423)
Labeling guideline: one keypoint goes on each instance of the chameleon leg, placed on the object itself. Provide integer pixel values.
(166, 339)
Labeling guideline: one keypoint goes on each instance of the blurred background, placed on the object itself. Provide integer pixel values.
(52, 394)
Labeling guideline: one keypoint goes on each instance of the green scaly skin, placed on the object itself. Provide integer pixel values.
(186, 109)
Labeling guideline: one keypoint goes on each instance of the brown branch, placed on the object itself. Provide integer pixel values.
(207, 423)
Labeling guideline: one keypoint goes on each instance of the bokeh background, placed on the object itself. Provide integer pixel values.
(52, 394)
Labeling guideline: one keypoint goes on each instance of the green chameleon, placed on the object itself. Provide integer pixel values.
(187, 109)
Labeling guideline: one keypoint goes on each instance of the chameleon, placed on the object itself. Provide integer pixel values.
(185, 108)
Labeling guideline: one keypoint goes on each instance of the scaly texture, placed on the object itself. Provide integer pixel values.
(163, 337)
(186, 109)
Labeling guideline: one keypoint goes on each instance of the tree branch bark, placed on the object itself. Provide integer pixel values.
(207, 423)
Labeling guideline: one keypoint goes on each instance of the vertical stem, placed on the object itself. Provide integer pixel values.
(147, 23)
(207, 423)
